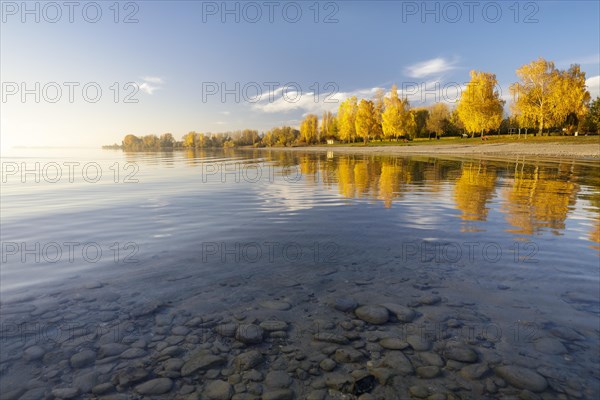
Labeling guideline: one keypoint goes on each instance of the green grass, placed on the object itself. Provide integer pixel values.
(477, 141)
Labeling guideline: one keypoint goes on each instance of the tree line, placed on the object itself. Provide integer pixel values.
(545, 99)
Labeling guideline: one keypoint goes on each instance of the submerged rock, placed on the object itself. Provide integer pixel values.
(522, 378)
(276, 305)
(345, 304)
(402, 313)
(218, 390)
(461, 353)
(249, 333)
(201, 360)
(247, 360)
(393, 344)
(155, 386)
(375, 315)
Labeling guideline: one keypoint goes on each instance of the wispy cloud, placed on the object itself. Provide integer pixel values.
(592, 59)
(418, 94)
(307, 101)
(150, 84)
(435, 66)
(153, 79)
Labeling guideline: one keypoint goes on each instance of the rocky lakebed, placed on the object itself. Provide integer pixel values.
(329, 334)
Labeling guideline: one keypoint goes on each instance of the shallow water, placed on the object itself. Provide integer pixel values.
(496, 256)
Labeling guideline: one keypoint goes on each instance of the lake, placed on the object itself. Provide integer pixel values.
(300, 275)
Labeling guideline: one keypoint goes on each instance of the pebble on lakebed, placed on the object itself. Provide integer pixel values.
(344, 349)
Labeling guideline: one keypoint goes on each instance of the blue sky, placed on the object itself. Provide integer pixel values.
(178, 51)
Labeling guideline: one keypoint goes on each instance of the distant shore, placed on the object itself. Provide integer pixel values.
(551, 149)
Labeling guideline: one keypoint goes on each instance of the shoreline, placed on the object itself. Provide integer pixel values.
(584, 151)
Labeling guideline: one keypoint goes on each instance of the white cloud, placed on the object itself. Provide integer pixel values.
(593, 86)
(153, 79)
(418, 94)
(150, 84)
(593, 59)
(225, 112)
(430, 67)
(307, 102)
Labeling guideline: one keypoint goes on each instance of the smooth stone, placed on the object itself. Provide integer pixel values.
(327, 364)
(345, 304)
(65, 393)
(344, 356)
(249, 334)
(461, 353)
(418, 391)
(103, 388)
(522, 378)
(111, 349)
(170, 351)
(330, 338)
(247, 360)
(317, 395)
(474, 371)
(382, 375)
(402, 313)
(155, 386)
(428, 372)
(418, 343)
(397, 361)
(133, 353)
(173, 364)
(218, 390)
(278, 379)
(34, 353)
(338, 381)
(375, 315)
(549, 346)
(131, 375)
(276, 305)
(86, 381)
(253, 375)
(279, 394)
(83, 358)
(202, 360)
(180, 330)
(271, 326)
(393, 344)
(227, 330)
(430, 358)
(163, 319)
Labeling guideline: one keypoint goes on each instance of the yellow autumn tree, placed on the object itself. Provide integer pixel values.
(366, 120)
(438, 119)
(328, 126)
(379, 103)
(397, 120)
(546, 95)
(189, 140)
(309, 129)
(346, 119)
(480, 108)
(570, 98)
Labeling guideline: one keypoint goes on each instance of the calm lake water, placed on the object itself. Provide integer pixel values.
(141, 249)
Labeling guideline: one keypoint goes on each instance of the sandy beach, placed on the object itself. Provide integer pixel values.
(551, 149)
